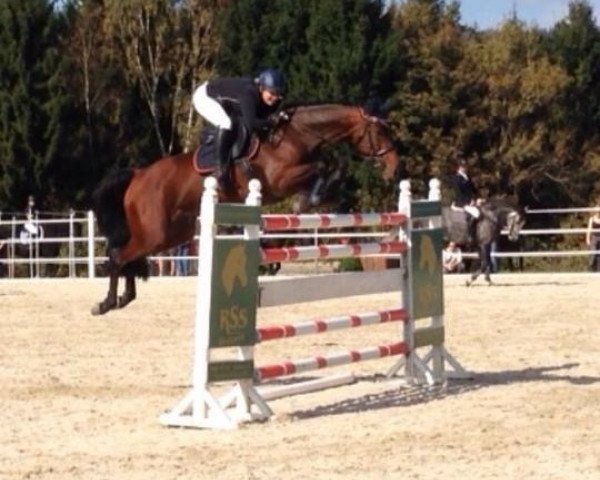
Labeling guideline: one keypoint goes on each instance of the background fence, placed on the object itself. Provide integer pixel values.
(67, 245)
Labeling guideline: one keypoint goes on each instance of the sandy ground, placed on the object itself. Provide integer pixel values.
(81, 395)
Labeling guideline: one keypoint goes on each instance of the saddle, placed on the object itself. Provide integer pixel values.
(244, 148)
(455, 225)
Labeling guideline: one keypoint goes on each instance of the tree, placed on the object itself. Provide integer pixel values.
(437, 88)
(165, 48)
(574, 43)
(522, 104)
(32, 100)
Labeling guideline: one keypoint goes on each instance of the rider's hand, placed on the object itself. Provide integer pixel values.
(279, 117)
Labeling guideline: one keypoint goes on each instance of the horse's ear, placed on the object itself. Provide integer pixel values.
(388, 106)
(376, 107)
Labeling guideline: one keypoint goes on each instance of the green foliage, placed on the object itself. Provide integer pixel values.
(32, 100)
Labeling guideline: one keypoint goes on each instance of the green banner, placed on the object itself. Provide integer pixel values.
(234, 293)
(426, 275)
(425, 208)
(230, 370)
(236, 214)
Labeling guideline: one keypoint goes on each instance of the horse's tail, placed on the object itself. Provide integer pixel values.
(109, 208)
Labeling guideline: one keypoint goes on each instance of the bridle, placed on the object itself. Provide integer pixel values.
(371, 124)
(370, 133)
(514, 222)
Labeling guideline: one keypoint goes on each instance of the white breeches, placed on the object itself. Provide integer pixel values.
(473, 211)
(210, 109)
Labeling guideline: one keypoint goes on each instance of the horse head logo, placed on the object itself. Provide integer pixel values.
(234, 268)
(428, 259)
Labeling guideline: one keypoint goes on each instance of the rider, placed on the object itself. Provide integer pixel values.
(254, 100)
(466, 197)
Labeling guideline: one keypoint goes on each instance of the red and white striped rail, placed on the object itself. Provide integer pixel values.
(271, 255)
(289, 367)
(331, 220)
(321, 325)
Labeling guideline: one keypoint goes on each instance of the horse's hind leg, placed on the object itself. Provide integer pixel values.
(110, 301)
(129, 293)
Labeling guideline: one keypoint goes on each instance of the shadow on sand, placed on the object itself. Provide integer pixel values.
(407, 396)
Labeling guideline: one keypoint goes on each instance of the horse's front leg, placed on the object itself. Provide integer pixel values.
(478, 266)
(486, 266)
(129, 293)
(110, 301)
(300, 179)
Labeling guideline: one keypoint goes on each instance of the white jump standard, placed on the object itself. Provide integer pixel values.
(228, 297)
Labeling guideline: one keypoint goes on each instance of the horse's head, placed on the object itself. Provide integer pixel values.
(510, 217)
(515, 220)
(330, 123)
(371, 139)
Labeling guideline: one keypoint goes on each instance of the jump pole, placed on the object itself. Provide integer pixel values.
(200, 407)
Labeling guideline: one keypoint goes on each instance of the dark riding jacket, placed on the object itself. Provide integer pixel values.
(240, 96)
(464, 190)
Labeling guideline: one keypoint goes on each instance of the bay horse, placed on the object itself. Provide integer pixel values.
(496, 214)
(143, 211)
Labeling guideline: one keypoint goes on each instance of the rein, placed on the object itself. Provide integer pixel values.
(375, 153)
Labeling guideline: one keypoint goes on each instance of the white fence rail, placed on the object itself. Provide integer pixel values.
(81, 250)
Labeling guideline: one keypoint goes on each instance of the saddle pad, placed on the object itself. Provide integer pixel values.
(205, 158)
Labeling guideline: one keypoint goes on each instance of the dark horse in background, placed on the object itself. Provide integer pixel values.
(496, 215)
(143, 211)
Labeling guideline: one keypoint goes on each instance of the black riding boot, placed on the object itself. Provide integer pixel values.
(471, 229)
(223, 143)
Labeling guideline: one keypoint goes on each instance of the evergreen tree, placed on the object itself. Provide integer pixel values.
(32, 100)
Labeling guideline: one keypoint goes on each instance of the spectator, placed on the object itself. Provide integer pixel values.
(181, 265)
(163, 263)
(452, 259)
(592, 239)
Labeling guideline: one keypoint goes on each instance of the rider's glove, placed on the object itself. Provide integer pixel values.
(279, 117)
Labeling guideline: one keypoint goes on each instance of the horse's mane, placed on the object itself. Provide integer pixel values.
(317, 103)
(502, 203)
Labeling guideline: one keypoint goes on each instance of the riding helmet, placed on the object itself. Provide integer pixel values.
(272, 79)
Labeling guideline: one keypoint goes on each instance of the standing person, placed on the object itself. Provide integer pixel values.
(181, 262)
(592, 239)
(465, 197)
(221, 101)
(31, 227)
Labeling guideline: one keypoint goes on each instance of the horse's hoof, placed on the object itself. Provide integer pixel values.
(99, 309)
(468, 283)
(102, 307)
(123, 301)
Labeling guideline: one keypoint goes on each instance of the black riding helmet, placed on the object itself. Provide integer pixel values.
(272, 79)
